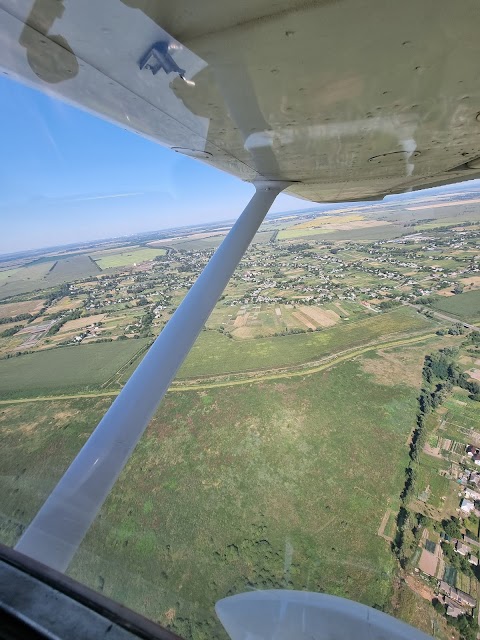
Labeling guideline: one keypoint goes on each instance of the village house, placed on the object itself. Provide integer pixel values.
(473, 452)
(471, 541)
(472, 495)
(457, 596)
(453, 610)
(467, 507)
(462, 549)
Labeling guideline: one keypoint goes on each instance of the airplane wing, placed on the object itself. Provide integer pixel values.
(332, 101)
(345, 100)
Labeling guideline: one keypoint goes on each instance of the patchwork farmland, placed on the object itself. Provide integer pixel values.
(279, 456)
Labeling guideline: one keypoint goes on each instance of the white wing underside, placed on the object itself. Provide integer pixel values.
(348, 100)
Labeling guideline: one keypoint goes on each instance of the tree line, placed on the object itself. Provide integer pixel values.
(439, 375)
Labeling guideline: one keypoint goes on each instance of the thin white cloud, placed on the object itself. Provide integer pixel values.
(105, 197)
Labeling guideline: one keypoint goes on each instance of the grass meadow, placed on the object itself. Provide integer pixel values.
(465, 306)
(43, 275)
(66, 369)
(214, 353)
(126, 258)
(265, 486)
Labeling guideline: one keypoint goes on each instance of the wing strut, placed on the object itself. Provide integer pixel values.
(57, 530)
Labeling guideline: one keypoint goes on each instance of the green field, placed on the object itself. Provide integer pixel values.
(65, 369)
(84, 367)
(212, 242)
(331, 235)
(126, 258)
(293, 233)
(462, 414)
(201, 244)
(428, 476)
(214, 353)
(263, 320)
(8, 273)
(23, 279)
(279, 456)
(449, 216)
(271, 485)
(465, 306)
(71, 269)
(43, 275)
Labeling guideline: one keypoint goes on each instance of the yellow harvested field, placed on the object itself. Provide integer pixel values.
(241, 320)
(299, 231)
(320, 316)
(16, 308)
(446, 292)
(359, 224)
(65, 304)
(244, 332)
(472, 282)
(303, 319)
(73, 325)
(324, 220)
(443, 204)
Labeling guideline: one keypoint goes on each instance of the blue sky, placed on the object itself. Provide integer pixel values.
(67, 176)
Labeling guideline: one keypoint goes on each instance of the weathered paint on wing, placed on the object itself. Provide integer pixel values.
(348, 100)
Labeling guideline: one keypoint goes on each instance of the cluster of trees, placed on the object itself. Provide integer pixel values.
(290, 332)
(452, 527)
(456, 560)
(440, 373)
(146, 322)
(7, 356)
(11, 331)
(473, 338)
(188, 267)
(73, 315)
(456, 329)
(437, 385)
(137, 288)
(442, 365)
(19, 318)
(298, 247)
(409, 528)
(388, 304)
(467, 625)
(425, 299)
(61, 292)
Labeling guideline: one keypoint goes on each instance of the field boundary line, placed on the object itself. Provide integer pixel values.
(328, 362)
(383, 524)
(390, 341)
(306, 369)
(125, 366)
